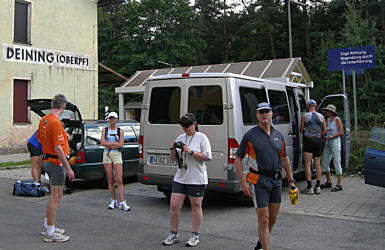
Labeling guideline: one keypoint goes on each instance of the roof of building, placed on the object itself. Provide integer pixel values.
(107, 75)
(290, 69)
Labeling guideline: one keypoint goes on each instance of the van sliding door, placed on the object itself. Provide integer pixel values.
(282, 119)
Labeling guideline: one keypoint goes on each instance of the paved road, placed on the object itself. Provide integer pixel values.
(226, 225)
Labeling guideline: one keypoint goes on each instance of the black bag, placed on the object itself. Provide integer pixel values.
(29, 188)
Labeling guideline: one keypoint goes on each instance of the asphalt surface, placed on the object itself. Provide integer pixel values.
(226, 225)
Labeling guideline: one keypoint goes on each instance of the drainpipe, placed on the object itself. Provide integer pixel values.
(121, 106)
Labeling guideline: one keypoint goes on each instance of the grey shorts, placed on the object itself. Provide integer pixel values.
(188, 190)
(263, 196)
(57, 174)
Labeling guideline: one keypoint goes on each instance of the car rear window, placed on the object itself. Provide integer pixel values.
(206, 103)
(164, 105)
(93, 134)
(250, 97)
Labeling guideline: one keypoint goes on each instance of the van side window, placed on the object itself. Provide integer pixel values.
(206, 103)
(164, 105)
(280, 107)
(249, 99)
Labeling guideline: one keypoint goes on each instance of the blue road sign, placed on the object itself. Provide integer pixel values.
(351, 58)
(348, 72)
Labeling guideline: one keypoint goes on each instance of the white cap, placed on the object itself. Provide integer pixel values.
(112, 114)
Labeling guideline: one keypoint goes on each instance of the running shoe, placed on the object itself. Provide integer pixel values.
(57, 230)
(258, 246)
(123, 206)
(171, 239)
(113, 204)
(317, 190)
(309, 191)
(55, 237)
(193, 241)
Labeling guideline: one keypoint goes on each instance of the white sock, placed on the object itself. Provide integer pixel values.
(45, 223)
(50, 230)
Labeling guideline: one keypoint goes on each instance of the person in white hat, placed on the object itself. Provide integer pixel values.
(112, 139)
(332, 148)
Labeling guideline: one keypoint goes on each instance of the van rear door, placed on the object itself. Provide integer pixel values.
(342, 104)
(206, 99)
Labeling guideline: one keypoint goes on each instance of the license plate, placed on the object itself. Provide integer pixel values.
(161, 160)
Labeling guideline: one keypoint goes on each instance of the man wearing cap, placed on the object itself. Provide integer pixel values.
(266, 152)
(313, 127)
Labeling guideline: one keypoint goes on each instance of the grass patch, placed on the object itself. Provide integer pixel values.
(11, 164)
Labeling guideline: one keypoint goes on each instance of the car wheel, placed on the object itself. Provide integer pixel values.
(167, 194)
(104, 182)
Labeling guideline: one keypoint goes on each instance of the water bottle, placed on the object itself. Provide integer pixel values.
(293, 195)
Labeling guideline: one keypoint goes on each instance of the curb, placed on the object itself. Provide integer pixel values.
(15, 167)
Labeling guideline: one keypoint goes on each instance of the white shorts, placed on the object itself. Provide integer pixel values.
(112, 157)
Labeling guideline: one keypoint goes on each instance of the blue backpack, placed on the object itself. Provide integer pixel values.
(28, 188)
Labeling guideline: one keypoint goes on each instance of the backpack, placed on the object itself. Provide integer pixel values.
(28, 188)
(115, 135)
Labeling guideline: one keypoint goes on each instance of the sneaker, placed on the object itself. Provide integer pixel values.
(309, 191)
(55, 237)
(171, 239)
(57, 230)
(193, 241)
(258, 246)
(113, 204)
(123, 206)
(317, 190)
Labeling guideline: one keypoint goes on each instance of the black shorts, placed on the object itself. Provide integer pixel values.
(312, 145)
(33, 151)
(263, 196)
(188, 190)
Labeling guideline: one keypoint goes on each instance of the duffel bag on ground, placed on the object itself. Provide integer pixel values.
(28, 188)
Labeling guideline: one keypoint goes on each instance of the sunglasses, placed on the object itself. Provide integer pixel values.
(264, 111)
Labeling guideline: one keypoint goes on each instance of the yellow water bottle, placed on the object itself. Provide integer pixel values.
(293, 195)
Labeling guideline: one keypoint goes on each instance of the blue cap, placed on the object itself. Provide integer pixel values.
(263, 105)
(312, 102)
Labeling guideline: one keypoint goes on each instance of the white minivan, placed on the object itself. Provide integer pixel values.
(225, 107)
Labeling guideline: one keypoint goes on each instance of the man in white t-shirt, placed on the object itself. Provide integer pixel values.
(190, 179)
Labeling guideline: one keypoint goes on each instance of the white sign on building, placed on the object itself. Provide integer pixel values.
(26, 54)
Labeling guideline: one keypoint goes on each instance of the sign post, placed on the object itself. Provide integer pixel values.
(351, 59)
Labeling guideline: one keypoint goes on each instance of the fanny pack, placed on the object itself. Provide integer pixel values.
(47, 156)
(274, 174)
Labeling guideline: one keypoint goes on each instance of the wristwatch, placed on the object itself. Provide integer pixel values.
(192, 152)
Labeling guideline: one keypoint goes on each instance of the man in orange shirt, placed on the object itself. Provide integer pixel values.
(55, 148)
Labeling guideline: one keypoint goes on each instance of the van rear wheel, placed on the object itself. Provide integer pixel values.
(167, 194)
(243, 200)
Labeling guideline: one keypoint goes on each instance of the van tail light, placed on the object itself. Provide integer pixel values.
(233, 146)
(80, 157)
(141, 147)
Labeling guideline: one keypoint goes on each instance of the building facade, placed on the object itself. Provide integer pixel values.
(47, 47)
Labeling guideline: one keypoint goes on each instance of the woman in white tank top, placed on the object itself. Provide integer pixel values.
(112, 139)
(332, 148)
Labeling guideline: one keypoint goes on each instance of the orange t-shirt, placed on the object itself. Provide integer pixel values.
(51, 133)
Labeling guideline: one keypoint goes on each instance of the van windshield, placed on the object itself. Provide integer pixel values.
(164, 105)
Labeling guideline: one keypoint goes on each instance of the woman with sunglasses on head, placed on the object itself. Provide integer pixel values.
(332, 148)
(112, 139)
(190, 179)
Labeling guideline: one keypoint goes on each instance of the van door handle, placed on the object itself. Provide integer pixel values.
(372, 157)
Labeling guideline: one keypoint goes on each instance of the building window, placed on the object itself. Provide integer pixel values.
(20, 94)
(22, 22)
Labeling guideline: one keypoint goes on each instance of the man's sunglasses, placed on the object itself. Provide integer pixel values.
(264, 111)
